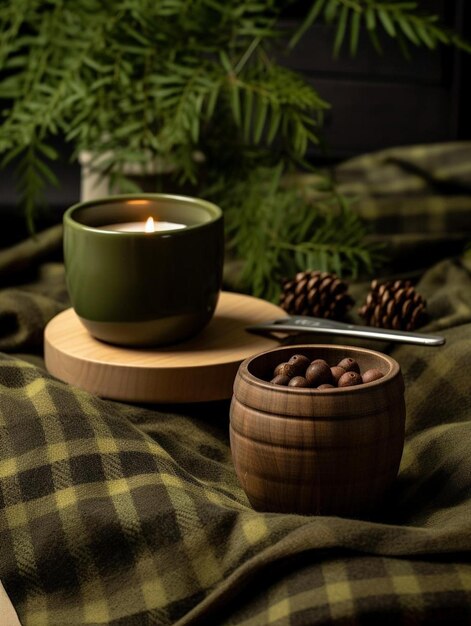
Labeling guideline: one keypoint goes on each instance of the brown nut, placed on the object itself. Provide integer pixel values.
(285, 369)
(300, 362)
(349, 365)
(337, 372)
(318, 374)
(373, 374)
(349, 379)
(321, 361)
(298, 381)
(277, 369)
(281, 380)
(326, 386)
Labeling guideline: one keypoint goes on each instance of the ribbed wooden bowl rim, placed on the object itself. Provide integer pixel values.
(249, 378)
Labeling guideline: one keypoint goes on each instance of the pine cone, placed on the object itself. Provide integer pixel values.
(395, 305)
(315, 293)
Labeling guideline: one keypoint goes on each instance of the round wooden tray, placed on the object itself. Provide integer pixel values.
(197, 370)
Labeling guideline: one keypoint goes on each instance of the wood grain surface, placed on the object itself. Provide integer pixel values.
(200, 369)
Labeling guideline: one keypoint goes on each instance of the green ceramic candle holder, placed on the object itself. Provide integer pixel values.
(144, 288)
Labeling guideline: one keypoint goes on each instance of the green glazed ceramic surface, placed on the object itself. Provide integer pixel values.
(142, 288)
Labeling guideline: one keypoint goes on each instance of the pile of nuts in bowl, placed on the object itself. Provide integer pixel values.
(300, 371)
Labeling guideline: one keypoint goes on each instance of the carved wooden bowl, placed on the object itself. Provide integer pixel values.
(309, 451)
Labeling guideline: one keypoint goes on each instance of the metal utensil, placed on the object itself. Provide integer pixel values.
(304, 323)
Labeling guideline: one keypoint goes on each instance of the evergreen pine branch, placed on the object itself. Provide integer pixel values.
(105, 92)
(48, 84)
(401, 20)
(145, 76)
(33, 173)
(138, 81)
(275, 102)
(276, 232)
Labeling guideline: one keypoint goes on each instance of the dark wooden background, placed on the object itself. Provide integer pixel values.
(377, 102)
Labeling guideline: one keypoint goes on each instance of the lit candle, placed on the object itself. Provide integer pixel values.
(150, 226)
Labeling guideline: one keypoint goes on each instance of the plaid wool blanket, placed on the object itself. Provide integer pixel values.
(127, 515)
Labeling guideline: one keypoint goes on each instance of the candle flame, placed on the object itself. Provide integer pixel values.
(150, 225)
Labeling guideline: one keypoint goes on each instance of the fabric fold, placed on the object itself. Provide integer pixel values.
(113, 513)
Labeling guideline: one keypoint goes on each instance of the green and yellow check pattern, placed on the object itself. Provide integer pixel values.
(119, 514)
(415, 200)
